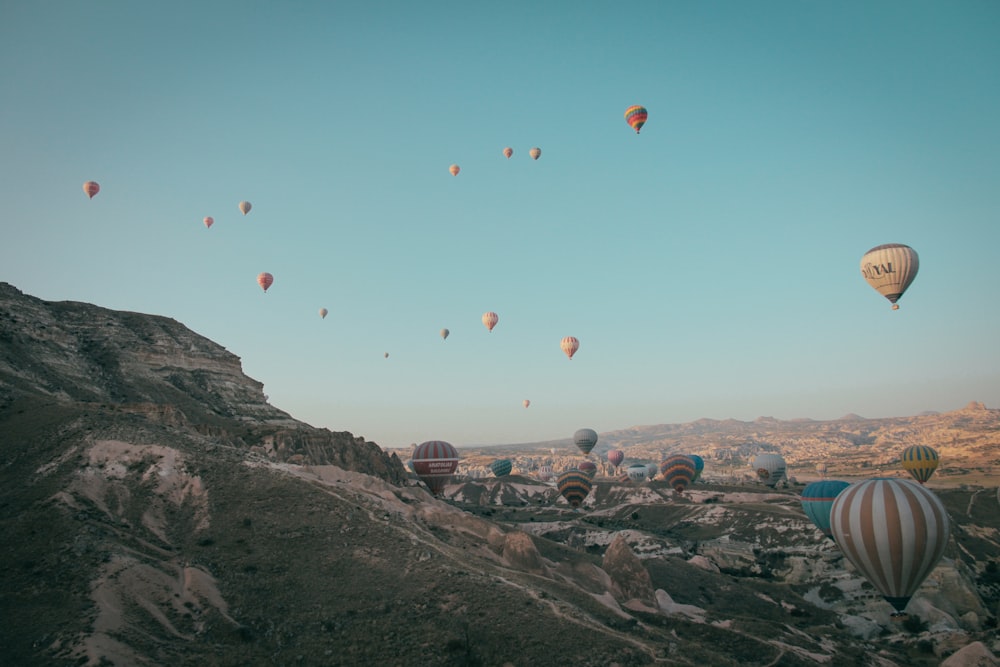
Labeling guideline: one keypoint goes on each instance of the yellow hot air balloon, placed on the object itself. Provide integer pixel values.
(920, 461)
(890, 269)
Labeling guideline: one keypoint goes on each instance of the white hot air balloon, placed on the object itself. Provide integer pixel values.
(890, 269)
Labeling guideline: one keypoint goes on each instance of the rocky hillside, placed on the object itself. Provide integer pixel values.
(157, 511)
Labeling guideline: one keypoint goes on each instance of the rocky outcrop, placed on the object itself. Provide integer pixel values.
(520, 552)
(630, 578)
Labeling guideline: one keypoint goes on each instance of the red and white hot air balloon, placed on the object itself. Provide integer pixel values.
(209, 221)
(454, 169)
(91, 188)
(434, 462)
(490, 320)
(264, 280)
(569, 346)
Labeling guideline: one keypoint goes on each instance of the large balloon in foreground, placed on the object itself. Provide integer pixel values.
(920, 461)
(323, 312)
(454, 169)
(535, 153)
(265, 280)
(615, 457)
(893, 531)
(699, 465)
(585, 439)
(678, 472)
(574, 485)
(490, 320)
(817, 499)
(508, 152)
(890, 269)
(91, 188)
(501, 467)
(245, 207)
(444, 334)
(635, 116)
(771, 468)
(209, 221)
(434, 462)
(569, 345)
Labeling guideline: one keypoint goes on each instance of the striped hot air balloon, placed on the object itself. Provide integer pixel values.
(920, 461)
(893, 531)
(91, 188)
(575, 486)
(569, 345)
(817, 499)
(678, 472)
(890, 269)
(265, 280)
(490, 320)
(635, 116)
(501, 467)
(435, 461)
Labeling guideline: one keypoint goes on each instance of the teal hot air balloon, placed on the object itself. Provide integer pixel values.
(817, 499)
(894, 532)
(920, 461)
(585, 439)
(574, 485)
(501, 467)
(699, 465)
(678, 472)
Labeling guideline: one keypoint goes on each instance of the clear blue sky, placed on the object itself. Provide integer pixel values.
(709, 266)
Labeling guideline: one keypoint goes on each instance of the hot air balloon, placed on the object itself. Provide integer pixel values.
(574, 486)
(91, 188)
(588, 468)
(386, 355)
(526, 402)
(771, 468)
(678, 472)
(637, 472)
(535, 153)
(615, 457)
(569, 346)
(434, 462)
(651, 471)
(821, 468)
(444, 334)
(635, 116)
(501, 467)
(585, 439)
(209, 221)
(245, 207)
(893, 531)
(264, 280)
(817, 499)
(323, 312)
(490, 320)
(920, 461)
(545, 473)
(699, 465)
(890, 269)
(508, 152)
(454, 169)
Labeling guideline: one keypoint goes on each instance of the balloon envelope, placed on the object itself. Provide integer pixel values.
(893, 531)
(245, 207)
(490, 320)
(525, 402)
(890, 269)
(678, 471)
(574, 485)
(699, 465)
(588, 468)
(920, 461)
(569, 345)
(817, 499)
(444, 334)
(535, 153)
(771, 468)
(635, 116)
(209, 221)
(434, 462)
(637, 472)
(91, 188)
(585, 439)
(615, 457)
(265, 280)
(454, 169)
(323, 312)
(508, 152)
(501, 467)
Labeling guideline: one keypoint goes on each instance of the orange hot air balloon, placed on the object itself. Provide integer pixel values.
(209, 221)
(245, 207)
(535, 153)
(264, 280)
(454, 169)
(91, 188)
(570, 345)
(507, 152)
(490, 320)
